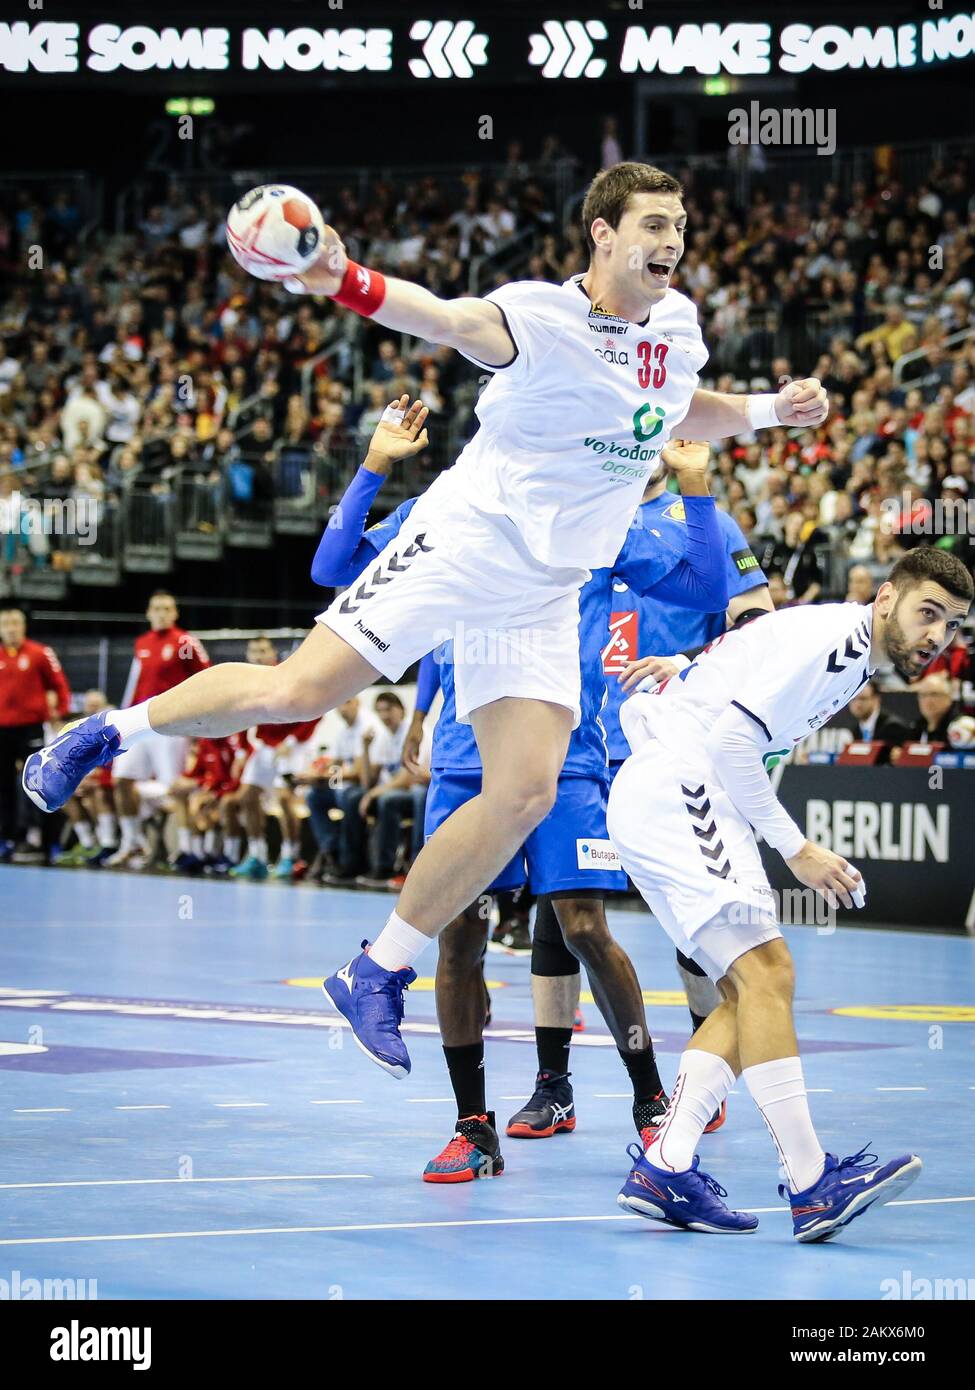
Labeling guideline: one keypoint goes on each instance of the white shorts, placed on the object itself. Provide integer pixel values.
(692, 855)
(457, 573)
(153, 757)
(261, 768)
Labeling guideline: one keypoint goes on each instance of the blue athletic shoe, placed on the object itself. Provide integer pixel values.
(690, 1200)
(252, 868)
(846, 1189)
(371, 998)
(51, 776)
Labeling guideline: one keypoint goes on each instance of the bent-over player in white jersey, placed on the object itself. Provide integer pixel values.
(591, 379)
(682, 813)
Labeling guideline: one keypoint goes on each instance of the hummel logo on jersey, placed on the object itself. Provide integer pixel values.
(856, 646)
(345, 974)
(370, 636)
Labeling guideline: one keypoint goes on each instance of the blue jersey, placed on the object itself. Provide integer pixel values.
(640, 627)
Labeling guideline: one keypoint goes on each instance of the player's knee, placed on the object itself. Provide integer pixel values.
(527, 804)
(296, 695)
(584, 928)
(462, 942)
(766, 970)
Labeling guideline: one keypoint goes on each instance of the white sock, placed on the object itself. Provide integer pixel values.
(85, 834)
(703, 1081)
(289, 849)
(779, 1091)
(210, 842)
(257, 849)
(231, 847)
(398, 944)
(131, 723)
(34, 837)
(197, 846)
(183, 839)
(107, 830)
(131, 833)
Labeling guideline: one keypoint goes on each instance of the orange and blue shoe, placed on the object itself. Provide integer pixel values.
(473, 1152)
(845, 1190)
(717, 1119)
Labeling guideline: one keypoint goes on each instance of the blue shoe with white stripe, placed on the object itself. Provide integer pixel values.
(848, 1186)
(690, 1200)
(371, 998)
(52, 775)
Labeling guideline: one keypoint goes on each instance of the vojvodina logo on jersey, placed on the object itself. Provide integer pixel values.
(648, 421)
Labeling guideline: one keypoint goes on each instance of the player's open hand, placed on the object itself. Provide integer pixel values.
(687, 458)
(657, 667)
(802, 402)
(411, 747)
(325, 276)
(830, 874)
(399, 434)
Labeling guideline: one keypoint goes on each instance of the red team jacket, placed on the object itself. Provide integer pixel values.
(27, 673)
(164, 659)
(275, 734)
(212, 764)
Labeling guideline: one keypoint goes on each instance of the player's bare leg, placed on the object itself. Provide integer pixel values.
(322, 673)
(522, 744)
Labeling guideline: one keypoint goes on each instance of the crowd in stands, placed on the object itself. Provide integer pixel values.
(128, 359)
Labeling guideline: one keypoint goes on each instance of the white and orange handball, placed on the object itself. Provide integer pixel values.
(275, 232)
(961, 732)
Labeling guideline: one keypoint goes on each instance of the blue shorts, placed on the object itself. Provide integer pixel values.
(569, 850)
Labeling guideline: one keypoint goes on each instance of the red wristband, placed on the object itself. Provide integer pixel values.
(361, 289)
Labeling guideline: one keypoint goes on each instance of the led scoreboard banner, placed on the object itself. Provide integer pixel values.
(428, 49)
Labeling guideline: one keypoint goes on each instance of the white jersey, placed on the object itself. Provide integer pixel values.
(787, 672)
(573, 427)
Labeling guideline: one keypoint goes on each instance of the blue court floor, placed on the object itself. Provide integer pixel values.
(181, 1115)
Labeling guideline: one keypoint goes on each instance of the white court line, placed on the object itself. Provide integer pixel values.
(901, 1088)
(240, 1104)
(401, 1225)
(187, 1182)
(142, 1107)
(46, 1110)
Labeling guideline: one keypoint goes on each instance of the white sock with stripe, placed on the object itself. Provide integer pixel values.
(779, 1090)
(703, 1081)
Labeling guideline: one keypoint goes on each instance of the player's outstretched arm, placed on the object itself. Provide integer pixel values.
(344, 551)
(473, 326)
(719, 415)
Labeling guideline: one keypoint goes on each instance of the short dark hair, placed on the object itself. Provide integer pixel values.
(389, 698)
(609, 193)
(939, 566)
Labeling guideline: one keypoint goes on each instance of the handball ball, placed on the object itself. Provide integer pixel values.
(961, 732)
(275, 231)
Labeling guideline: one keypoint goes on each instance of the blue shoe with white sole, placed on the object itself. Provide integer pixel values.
(847, 1188)
(52, 775)
(690, 1200)
(371, 998)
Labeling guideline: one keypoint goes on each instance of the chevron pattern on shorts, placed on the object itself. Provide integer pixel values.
(367, 587)
(698, 806)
